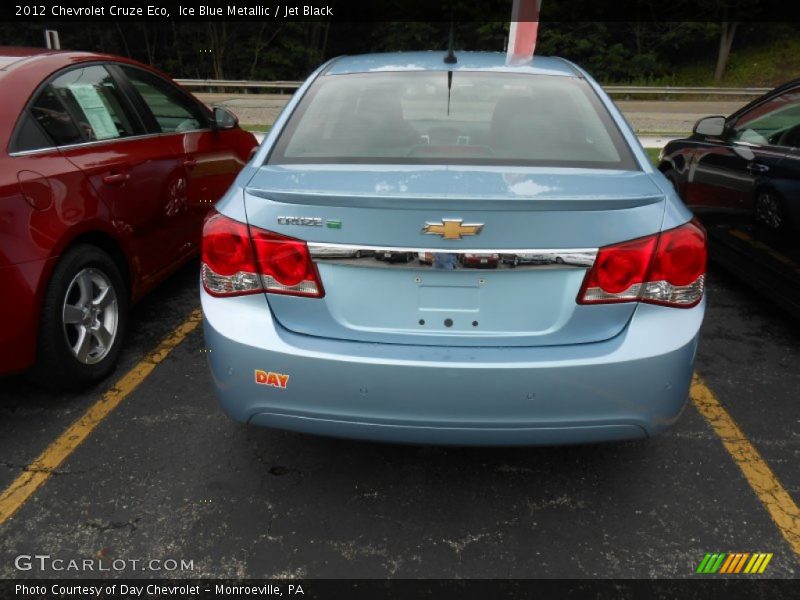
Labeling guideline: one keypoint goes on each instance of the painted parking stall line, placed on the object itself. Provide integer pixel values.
(766, 485)
(40, 470)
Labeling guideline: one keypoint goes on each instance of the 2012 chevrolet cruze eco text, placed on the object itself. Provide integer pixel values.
(559, 296)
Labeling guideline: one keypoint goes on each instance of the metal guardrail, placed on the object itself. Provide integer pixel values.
(640, 90)
(242, 84)
(631, 90)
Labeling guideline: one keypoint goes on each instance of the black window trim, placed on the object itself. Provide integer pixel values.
(733, 120)
(147, 114)
(143, 113)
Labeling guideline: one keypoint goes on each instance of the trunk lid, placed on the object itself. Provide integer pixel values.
(365, 224)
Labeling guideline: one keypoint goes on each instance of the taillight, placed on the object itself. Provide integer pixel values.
(618, 272)
(228, 265)
(238, 260)
(667, 268)
(285, 264)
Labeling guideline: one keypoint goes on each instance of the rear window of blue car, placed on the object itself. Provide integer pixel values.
(463, 117)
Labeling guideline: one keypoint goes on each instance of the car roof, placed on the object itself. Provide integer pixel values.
(793, 83)
(10, 55)
(784, 86)
(434, 61)
(13, 57)
(42, 62)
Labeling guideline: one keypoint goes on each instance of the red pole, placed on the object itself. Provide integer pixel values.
(523, 32)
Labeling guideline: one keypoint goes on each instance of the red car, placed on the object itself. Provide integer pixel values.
(107, 169)
(481, 261)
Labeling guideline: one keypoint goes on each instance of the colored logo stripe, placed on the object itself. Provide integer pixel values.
(711, 563)
(734, 562)
(701, 568)
(727, 564)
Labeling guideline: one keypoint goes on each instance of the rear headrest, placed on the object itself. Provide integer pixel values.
(524, 126)
(381, 104)
(511, 112)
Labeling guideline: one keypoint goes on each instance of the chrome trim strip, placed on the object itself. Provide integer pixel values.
(127, 138)
(393, 256)
(36, 151)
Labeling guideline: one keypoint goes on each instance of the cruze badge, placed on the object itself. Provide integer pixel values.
(310, 222)
(452, 229)
(306, 221)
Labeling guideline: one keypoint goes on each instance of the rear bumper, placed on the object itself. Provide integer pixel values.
(632, 386)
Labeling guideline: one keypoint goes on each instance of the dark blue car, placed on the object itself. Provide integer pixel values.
(741, 174)
(746, 164)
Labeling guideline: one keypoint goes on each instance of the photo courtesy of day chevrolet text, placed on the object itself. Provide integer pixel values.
(123, 590)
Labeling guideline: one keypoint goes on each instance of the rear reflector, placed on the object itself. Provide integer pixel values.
(238, 260)
(667, 268)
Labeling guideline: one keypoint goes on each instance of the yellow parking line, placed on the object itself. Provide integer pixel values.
(39, 471)
(765, 484)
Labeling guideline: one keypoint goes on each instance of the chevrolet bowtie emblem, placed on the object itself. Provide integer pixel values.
(452, 229)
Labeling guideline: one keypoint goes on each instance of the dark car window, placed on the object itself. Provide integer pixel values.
(775, 122)
(172, 110)
(469, 118)
(30, 135)
(94, 102)
(54, 118)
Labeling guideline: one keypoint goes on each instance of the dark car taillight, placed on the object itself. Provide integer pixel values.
(238, 259)
(667, 268)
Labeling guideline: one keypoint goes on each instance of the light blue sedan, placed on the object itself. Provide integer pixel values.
(468, 253)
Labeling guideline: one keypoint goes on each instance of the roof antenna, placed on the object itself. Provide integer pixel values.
(450, 57)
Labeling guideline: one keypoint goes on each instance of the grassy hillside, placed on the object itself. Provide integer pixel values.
(766, 65)
(653, 154)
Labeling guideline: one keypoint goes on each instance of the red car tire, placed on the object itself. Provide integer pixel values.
(83, 320)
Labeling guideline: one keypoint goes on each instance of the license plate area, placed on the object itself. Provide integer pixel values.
(440, 298)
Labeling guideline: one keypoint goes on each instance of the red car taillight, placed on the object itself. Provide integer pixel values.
(667, 268)
(238, 260)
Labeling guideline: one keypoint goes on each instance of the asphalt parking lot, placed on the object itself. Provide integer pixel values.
(166, 476)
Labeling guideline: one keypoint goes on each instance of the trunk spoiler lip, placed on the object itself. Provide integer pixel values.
(416, 201)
